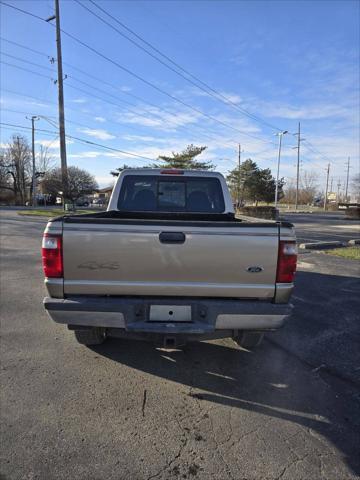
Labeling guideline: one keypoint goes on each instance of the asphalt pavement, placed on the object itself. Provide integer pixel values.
(323, 227)
(125, 410)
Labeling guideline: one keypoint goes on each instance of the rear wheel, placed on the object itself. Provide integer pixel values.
(249, 339)
(90, 336)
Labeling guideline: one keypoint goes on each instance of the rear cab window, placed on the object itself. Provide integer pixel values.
(154, 193)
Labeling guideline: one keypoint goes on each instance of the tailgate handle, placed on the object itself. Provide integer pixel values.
(172, 237)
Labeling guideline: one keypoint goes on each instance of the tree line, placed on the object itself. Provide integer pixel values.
(16, 172)
(247, 183)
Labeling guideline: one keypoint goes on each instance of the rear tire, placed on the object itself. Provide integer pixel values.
(91, 336)
(248, 340)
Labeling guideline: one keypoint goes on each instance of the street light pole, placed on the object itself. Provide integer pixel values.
(239, 182)
(33, 179)
(347, 179)
(327, 186)
(297, 168)
(280, 135)
(338, 190)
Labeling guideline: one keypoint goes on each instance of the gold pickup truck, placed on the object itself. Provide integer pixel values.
(169, 262)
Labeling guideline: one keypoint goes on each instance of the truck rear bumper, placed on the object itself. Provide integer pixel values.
(132, 314)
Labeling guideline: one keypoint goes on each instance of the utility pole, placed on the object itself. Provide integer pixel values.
(280, 135)
(327, 185)
(297, 168)
(347, 179)
(331, 184)
(64, 176)
(338, 190)
(33, 177)
(239, 182)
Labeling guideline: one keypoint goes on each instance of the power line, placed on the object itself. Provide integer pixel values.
(106, 93)
(144, 80)
(102, 81)
(82, 140)
(311, 147)
(95, 88)
(48, 103)
(107, 101)
(208, 90)
(86, 84)
(140, 78)
(49, 118)
(311, 150)
(53, 104)
(23, 46)
(14, 57)
(25, 69)
(22, 11)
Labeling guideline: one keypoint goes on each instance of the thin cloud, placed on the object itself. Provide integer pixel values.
(97, 133)
(52, 144)
(158, 119)
(140, 138)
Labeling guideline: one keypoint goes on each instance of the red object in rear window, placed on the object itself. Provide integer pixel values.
(172, 171)
(286, 262)
(52, 256)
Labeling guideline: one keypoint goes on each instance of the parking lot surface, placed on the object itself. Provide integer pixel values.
(323, 227)
(125, 410)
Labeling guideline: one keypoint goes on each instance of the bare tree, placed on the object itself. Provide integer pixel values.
(4, 174)
(308, 187)
(289, 192)
(80, 183)
(15, 166)
(355, 186)
(44, 160)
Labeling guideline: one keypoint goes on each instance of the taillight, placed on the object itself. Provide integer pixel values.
(52, 256)
(286, 262)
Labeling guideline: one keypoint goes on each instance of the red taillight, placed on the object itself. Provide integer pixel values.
(286, 262)
(172, 171)
(52, 256)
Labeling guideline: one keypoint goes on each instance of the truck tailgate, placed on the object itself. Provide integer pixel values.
(170, 259)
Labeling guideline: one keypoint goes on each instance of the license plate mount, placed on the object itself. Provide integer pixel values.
(170, 313)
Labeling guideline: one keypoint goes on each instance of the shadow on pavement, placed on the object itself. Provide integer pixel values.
(277, 379)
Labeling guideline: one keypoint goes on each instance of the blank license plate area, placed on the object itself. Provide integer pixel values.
(170, 313)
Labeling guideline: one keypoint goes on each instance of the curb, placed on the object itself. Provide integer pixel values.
(321, 245)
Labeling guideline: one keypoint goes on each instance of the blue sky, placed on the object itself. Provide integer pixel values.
(283, 61)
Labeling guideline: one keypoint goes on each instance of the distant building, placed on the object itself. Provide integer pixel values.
(103, 195)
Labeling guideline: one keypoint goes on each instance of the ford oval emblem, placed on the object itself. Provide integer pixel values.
(254, 269)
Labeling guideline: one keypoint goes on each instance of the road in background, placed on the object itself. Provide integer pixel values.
(126, 410)
(323, 227)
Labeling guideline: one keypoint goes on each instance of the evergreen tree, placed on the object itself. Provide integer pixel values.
(117, 171)
(253, 184)
(185, 160)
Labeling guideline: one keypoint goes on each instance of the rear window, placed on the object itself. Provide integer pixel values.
(153, 193)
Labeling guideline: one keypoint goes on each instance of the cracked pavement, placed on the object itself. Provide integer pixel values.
(125, 410)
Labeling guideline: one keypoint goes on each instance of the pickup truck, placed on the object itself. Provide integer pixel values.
(170, 262)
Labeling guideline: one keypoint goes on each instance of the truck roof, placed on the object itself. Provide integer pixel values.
(170, 171)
